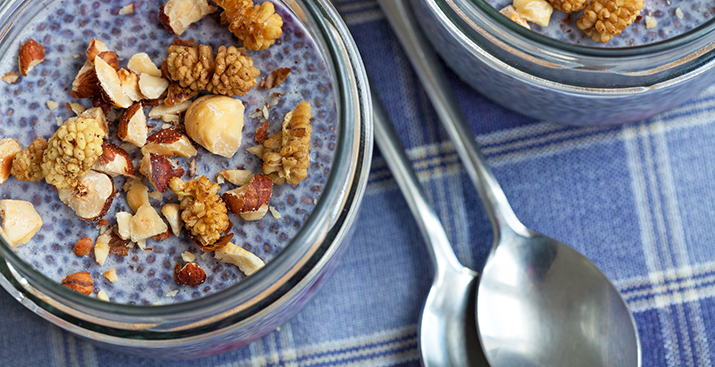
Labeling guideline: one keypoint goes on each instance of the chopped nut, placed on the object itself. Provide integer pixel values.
(679, 13)
(94, 48)
(130, 85)
(276, 77)
(537, 11)
(132, 125)
(257, 150)
(117, 245)
(91, 198)
(163, 236)
(111, 86)
(141, 64)
(83, 247)
(126, 10)
(177, 15)
(262, 133)
(234, 73)
(76, 108)
(79, 282)
(147, 223)
(287, 153)
(257, 26)
(238, 177)
(10, 78)
(171, 118)
(101, 247)
(162, 109)
(247, 262)
(109, 57)
(171, 213)
(190, 274)
(192, 167)
(604, 19)
(52, 104)
(650, 22)
(20, 221)
(169, 142)
(86, 84)
(31, 54)
(202, 210)
(171, 294)
(188, 257)
(215, 122)
(156, 195)
(111, 275)
(250, 198)
(152, 87)
(178, 94)
(124, 225)
(9, 150)
(114, 161)
(274, 212)
(137, 195)
(159, 170)
(102, 296)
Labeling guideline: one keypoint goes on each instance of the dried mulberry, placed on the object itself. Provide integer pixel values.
(569, 6)
(73, 150)
(27, 164)
(604, 19)
(257, 26)
(287, 152)
(234, 73)
(192, 67)
(202, 210)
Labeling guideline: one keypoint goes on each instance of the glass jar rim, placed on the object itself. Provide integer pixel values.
(337, 45)
(577, 49)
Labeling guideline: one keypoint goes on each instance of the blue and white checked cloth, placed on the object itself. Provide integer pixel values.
(638, 200)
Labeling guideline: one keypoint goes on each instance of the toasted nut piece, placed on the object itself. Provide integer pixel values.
(8, 150)
(262, 133)
(126, 10)
(124, 225)
(537, 11)
(141, 64)
(111, 87)
(246, 261)
(215, 122)
(173, 216)
(276, 77)
(275, 212)
(152, 87)
(162, 109)
(110, 57)
(86, 84)
(76, 108)
(130, 85)
(31, 54)
(257, 150)
(169, 142)
(238, 177)
(132, 125)
(92, 197)
(188, 257)
(177, 15)
(79, 282)
(102, 295)
(159, 170)
(101, 247)
(83, 247)
(20, 221)
(137, 195)
(117, 245)
(111, 275)
(156, 195)
(511, 13)
(147, 223)
(10, 77)
(250, 198)
(190, 274)
(163, 236)
(178, 94)
(95, 48)
(114, 161)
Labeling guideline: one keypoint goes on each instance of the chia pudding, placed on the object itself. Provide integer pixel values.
(146, 276)
(658, 21)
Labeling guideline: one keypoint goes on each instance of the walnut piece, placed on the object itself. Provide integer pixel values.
(287, 152)
(234, 73)
(202, 210)
(9, 150)
(604, 19)
(74, 149)
(257, 26)
(276, 77)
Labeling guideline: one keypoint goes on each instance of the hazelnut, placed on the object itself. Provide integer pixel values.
(215, 122)
(132, 125)
(111, 87)
(130, 84)
(152, 87)
(20, 221)
(83, 247)
(177, 15)
(86, 84)
(246, 261)
(8, 150)
(238, 177)
(31, 54)
(159, 170)
(76, 108)
(114, 161)
(92, 197)
(124, 225)
(147, 223)
(95, 48)
(190, 274)
(173, 216)
(101, 247)
(137, 195)
(250, 201)
(163, 109)
(79, 282)
(10, 77)
(141, 64)
(169, 142)
(111, 275)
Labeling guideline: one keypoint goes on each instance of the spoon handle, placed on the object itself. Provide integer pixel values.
(438, 245)
(431, 74)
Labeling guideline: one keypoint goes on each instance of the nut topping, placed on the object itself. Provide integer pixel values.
(190, 274)
(79, 282)
(83, 247)
(31, 54)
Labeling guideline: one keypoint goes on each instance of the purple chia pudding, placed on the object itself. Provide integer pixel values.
(65, 28)
(668, 18)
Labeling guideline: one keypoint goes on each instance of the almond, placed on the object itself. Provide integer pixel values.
(111, 87)
(130, 84)
(169, 142)
(114, 161)
(83, 247)
(250, 200)
(190, 274)
(95, 47)
(137, 195)
(9, 147)
(10, 77)
(132, 125)
(111, 275)
(31, 54)
(177, 94)
(152, 87)
(141, 64)
(92, 197)
(246, 261)
(79, 282)
(177, 15)
(147, 223)
(20, 221)
(159, 170)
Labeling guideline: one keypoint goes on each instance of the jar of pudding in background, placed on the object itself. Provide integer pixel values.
(556, 81)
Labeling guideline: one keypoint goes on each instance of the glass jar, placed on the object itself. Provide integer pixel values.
(552, 80)
(249, 309)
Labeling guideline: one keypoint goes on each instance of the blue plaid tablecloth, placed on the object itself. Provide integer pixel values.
(638, 200)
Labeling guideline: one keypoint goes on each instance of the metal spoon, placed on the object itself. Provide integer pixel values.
(447, 335)
(540, 302)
